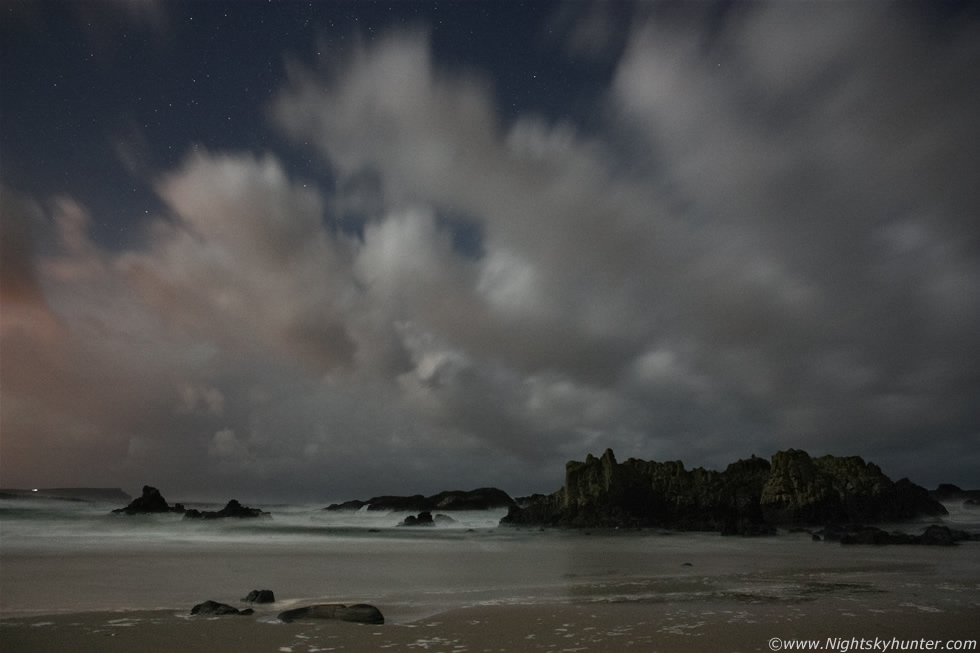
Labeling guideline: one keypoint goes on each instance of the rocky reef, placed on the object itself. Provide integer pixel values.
(214, 608)
(933, 535)
(750, 497)
(231, 509)
(152, 502)
(486, 498)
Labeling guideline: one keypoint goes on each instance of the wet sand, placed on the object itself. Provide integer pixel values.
(715, 626)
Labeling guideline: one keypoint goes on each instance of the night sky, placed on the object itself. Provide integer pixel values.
(311, 251)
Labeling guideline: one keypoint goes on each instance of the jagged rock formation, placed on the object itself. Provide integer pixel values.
(486, 498)
(750, 497)
(151, 501)
(829, 489)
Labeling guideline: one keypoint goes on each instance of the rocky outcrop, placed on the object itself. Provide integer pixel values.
(358, 613)
(231, 509)
(750, 497)
(260, 596)
(949, 493)
(831, 489)
(933, 535)
(215, 608)
(479, 499)
(423, 519)
(150, 502)
(601, 492)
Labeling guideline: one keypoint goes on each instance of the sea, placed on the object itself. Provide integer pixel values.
(59, 556)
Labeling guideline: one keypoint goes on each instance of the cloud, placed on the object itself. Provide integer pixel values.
(245, 259)
(744, 234)
(193, 399)
(766, 243)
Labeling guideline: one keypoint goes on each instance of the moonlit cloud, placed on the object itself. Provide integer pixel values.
(769, 241)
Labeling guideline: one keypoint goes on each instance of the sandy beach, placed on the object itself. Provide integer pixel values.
(663, 626)
(77, 581)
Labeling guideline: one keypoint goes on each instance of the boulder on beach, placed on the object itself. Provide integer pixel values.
(357, 613)
(215, 608)
(260, 596)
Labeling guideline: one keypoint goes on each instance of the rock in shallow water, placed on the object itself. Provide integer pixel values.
(151, 501)
(358, 613)
(232, 509)
(215, 608)
(260, 596)
(423, 519)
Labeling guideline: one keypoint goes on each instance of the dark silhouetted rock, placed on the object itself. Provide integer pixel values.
(215, 608)
(486, 498)
(940, 536)
(352, 506)
(260, 596)
(934, 535)
(423, 519)
(603, 493)
(150, 502)
(805, 490)
(479, 499)
(358, 613)
(946, 491)
(751, 497)
(231, 509)
(949, 493)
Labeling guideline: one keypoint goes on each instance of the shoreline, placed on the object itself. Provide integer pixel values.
(568, 626)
